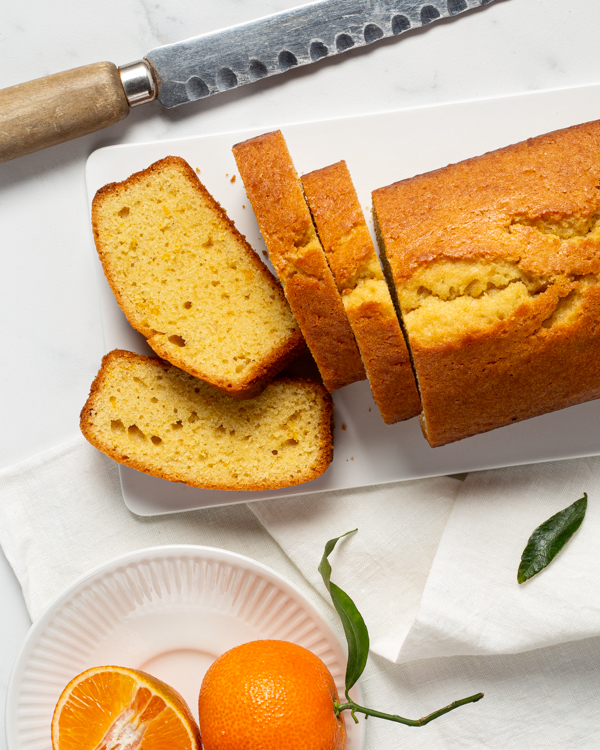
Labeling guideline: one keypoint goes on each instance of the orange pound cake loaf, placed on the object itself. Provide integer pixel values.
(188, 281)
(347, 242)
(276, 196)
(151, 416)
(495, 265)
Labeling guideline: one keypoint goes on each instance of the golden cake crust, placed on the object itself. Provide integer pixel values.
(351, 254)
(263, 368)
(495, 265)
(203, 421)
(276, 196)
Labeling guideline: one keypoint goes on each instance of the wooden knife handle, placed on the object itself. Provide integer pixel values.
(54, 109)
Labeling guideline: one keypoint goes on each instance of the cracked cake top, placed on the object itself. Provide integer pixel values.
(494, 263)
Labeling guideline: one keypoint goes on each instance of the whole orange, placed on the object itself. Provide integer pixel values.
(269, 695)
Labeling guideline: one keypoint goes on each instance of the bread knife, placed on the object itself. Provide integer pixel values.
(59, 107)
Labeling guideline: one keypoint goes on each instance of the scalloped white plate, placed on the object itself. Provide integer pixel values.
(170, 611)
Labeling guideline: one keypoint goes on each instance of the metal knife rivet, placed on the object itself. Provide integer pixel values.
(400, 24)
(287, 60)
(372, 33)
(343, 42)
(226, 79)
(196, 88)
(138, 82)
(456, 6)
(429, 14)
(257, 70)
(317, 51)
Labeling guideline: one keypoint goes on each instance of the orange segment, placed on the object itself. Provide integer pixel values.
(113, 708)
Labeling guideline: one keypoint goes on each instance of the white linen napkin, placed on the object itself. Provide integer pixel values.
(62, 512)
(384, 566)
(471, 602)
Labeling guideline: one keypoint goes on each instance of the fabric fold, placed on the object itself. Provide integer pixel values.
(432, 566)
(472, 603)
(62, 513)
(384, 566)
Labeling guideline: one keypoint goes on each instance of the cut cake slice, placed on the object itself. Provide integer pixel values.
(347, 242)
(495, 265)
(275, 193)
(188, 280)
(153, 417)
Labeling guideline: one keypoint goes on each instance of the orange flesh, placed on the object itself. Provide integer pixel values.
(112, 711)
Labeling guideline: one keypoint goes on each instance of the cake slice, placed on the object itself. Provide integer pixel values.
(495, 265)
(155, 418)
(189, 282)
(347, 242)
(275, 193)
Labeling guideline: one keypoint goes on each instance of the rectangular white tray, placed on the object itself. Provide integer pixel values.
(379, 149)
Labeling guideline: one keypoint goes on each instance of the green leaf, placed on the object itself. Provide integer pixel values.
(355, 629)
(549, 538)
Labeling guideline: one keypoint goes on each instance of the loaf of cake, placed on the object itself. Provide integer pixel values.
(345, 237)
(494, 263)
(190, 283)
(275, 192)
(155, 418)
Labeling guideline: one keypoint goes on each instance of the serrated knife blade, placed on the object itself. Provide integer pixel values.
(54, 109)
(222, 60)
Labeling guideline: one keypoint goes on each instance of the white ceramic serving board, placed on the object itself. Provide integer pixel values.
(379, 149)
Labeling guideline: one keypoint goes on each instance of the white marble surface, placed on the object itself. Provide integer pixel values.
(51, 332)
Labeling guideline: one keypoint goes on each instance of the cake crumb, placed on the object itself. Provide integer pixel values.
(197, 170)
(243, 205)
(343, 427)
(265, 253)
(233, 179)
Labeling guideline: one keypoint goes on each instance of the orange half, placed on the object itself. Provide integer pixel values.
(109, 708)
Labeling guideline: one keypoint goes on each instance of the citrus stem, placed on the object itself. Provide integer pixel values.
(354, 707)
